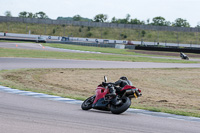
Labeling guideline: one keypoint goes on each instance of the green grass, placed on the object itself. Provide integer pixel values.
(4, 52)
(94, 49)
(170, 111)
(103, 50)
(106, 33)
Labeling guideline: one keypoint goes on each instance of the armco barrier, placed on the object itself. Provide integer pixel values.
(170, 49)
(110, 45)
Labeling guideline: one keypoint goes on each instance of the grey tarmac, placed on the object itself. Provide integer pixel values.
(17, 63)
(22, 114)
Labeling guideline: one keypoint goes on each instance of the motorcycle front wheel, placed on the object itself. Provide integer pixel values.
(87, 104)
(118, 109)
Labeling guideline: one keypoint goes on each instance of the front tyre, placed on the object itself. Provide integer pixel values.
(118, 109)
(87, 104)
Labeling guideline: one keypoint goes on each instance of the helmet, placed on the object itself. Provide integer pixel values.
(123, 78)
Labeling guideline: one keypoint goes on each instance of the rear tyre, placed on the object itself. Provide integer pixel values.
(87, 104)
(118, 109)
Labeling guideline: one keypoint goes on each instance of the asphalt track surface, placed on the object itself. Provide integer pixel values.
(17, 63)
(38, 46)
(22, 114)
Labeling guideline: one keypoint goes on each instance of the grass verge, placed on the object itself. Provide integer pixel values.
(5, 52)
(95, 49)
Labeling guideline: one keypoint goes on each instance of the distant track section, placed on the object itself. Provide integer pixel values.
(17, 39)
(17, 63)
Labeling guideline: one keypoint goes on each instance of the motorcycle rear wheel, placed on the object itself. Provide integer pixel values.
(118, 109)
(87, 104)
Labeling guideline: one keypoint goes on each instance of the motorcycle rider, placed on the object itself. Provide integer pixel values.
(123, 81)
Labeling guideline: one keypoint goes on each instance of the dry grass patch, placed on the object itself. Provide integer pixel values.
(165, 90)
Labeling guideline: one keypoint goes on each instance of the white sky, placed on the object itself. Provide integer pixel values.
(140, 9)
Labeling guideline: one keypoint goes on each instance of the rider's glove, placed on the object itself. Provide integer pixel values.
(104, 84)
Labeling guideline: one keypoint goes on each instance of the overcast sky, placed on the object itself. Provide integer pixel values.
(140, 9)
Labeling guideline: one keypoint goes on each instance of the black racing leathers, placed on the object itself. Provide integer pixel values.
(121, 83)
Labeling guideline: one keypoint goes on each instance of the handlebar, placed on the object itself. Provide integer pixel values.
(106, 84)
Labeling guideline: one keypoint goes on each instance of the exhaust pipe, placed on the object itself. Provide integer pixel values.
(130, 92)
(135, 93)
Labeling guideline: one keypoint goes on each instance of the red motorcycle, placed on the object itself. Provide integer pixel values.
(116, 104)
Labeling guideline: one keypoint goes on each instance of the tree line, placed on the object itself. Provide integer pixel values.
(24, 14)
(157, 21)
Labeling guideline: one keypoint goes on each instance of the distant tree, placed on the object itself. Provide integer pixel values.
(158, 21)
(41, 15)
(125, 20)
(148, 21)
(198, 25)
(128, 18)
(137, 21)
(100, 18)
(122, 21)
(77, 18)
(8, 14)
(23, 14)
(168, 23)
(31, 15)
(65, 18)
(114, 20)
(179, 22)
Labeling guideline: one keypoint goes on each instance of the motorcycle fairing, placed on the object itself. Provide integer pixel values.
(100, 93)
(100, 104)
(127, 87)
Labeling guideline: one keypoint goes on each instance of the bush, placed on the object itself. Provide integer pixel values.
(54, 31)
(89, 34)
(143, 33)
(124, 36)
(80, 30)
(105, 33)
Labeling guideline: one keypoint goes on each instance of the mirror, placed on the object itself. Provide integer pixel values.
(105, 79)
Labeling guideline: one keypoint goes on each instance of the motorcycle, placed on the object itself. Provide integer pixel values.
(116, 104)
(184, 56)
